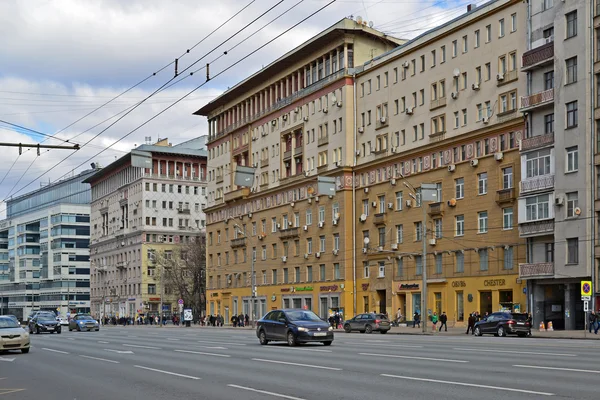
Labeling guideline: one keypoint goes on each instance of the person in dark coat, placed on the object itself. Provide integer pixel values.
(471, 324)
(443, 322)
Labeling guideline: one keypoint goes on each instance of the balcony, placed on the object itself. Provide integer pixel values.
(538, 57)
(536, 270)
(175, 177)
(537, 100)
(436, 208)
(323, 140)
(509, 76)
(289, 233)
(239, 242)
(121, 265)
(382, 122)
(440, 102)
(379, 219)
(219, 178)
(536, 228)
(237, 194)
(505, 195)
(298, 151)
(287, 155)
(183, 210)
(544, 182)
(537, 142)
(264, 163)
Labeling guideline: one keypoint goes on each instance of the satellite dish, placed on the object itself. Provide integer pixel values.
(456, 72)
(370, 24)
(359, 19)
(366, 241)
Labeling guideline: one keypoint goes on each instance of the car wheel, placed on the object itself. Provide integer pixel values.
(51, 332)
(368, 329)
(478, 331)
(501, 331)
(58, 332)
(291, 339)
(78, 328)
(37, 330)
(25, 351)
(522, 334)
(70, 330)
(328, 343)
(262, 338)
(383, 332)
(97, 329)
(347, 328)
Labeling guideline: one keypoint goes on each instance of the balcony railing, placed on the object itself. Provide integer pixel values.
(298, 151)
(183, 210)
(539, 183)
(289, 233)
(538, 56)
(287, 155)
(509, 76)
(439, 102)
(219, 178)
(323, 140)
(505, 195)
(174, 177)
(536, 270)
(264, 163)
(536, 228)
(535, 142)
(237, 194)
(537, 99)
(239, 242)
(436, 208)
(379, 219)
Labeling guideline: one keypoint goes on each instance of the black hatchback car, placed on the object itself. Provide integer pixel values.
(504, 323)
(295, 326)
(367, 323)
(44, 323)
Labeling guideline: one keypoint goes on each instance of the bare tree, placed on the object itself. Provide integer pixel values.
(182, 270)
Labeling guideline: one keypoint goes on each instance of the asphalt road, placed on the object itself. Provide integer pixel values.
(211, 363)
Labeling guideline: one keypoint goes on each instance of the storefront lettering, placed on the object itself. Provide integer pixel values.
(331, 288)
(304, 289)
(494, 282)
(287, 289)
(158, 298)
(408, 286)
(459, 284)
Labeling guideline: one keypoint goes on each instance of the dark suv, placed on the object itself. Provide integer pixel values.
(504, 323)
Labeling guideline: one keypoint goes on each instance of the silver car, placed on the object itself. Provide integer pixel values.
(12, 336)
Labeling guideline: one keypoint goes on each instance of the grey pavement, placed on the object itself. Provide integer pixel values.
(214, 363)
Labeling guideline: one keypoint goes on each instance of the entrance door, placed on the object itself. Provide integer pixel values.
(323, 308)
(402, 306)
(416, 304)
(381, 296)
(485, 303)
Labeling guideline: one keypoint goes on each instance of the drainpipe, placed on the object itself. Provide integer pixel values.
(354, 195)
(593, 149)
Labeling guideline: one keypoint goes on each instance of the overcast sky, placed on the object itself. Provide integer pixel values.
(61, 59)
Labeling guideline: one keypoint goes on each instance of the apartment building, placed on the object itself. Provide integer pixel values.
(557, 195)
(291, 121)
(443, 109)
(44, 249)
(150, 200)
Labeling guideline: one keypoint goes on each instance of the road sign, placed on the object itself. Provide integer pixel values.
(187, 314)
(586, 288)
(180, 308)
(586, 306)
(180, 301)
(586, 298)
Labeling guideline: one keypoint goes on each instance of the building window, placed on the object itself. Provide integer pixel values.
(513, 22)
(507, 178)
(548, 80)
(398, 201)
(309, 217)
(571, 24)
(508, 257)
(572, 204)
(537, 207)
(460, 261)
(399, 266)
(501, 28)
(419, 265)
(309, 246)
(438, 228)
(507, 218)
(459, 222)
(454, 48)
(438, 263)
(547, 4)
(488, 33)
(322, 271)
(573, 251)
(465, 44)
(418, 231)
(572, 159)
(399, 234)
(459, 185)
(483, 259)
(322, 244)
(477, 38)
(366, 269)
(537, 163)
(482, 218)
(548, 124)
(309, 274)
(571, 64)
(571, 114)
(381, 271)
(482, 183)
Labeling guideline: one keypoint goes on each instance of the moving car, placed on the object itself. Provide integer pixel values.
(62, 320)
(367, 323)
(44, 323)
(12, 336)
(83, 322)
(504, 323)
(295, 326)
(13, 317)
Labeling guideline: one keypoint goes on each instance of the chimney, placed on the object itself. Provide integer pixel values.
(470, 7)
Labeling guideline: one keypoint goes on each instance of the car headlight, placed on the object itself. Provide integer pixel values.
(301, 329)
(330, 329)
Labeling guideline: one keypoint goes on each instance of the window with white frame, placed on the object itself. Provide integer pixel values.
(459, 185)
(274, 224)
(398, 201)
(336, 241)
(572, 204)
(321, 213)
(322, 244)
(538, 163)
(507, 218)
(418, 231)
(381, 272)
(482, 183)
(366, 269)
(438, 228)
(460, 261)
(308, 216)
(399, 233)
(537, 207)
(572, 159)
(459, 225)
(483, 259)
(508, 257)
(482, 222)
(309, 246)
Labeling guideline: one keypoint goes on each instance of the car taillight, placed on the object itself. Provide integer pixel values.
(511, 322)
(377, 321)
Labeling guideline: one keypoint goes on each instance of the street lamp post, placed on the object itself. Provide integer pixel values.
(252, 280)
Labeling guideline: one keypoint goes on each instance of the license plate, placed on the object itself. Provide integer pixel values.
(320, 333)
(520, 323)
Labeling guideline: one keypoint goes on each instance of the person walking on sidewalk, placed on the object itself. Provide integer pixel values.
(592, 318)
(471, 324)
(416, 319)
(434, 320)
(443, 321)
(398, 317)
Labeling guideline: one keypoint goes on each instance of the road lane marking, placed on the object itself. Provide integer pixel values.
(213, 342)
(7, 360)
(120, 351)
(100, 341)
(384, 345)
(515, 352)
(99, 359)
(588, 371)
(202, 353)
(296, 349)
(414, 358)
(216, 347)
(8, 391)
(141, 347)
(412, 378)
(167, 372)
(284, 396)
(70, 338)
(55, 351)
(296, 364)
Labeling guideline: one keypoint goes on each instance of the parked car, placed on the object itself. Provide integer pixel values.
(12, 336)
(44, 323)
(295, 326)
(62, 320)
(367, 323)
(504, 323)
(82, 322)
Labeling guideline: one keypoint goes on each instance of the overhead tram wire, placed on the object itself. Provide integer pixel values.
(152, 94)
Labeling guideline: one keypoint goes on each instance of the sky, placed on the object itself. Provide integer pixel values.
(62, 60)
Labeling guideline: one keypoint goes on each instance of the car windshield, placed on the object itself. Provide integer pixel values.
(6, 323)
(46, 318)
(84, 317)
(302, 316)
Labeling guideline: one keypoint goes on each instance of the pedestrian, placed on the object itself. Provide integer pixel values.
(434, 320)
(416, 319)
(241, 320)
(443, 321)
(592, 318)
(247, 320)
(398, 317)
(471, 323)
(234, 321)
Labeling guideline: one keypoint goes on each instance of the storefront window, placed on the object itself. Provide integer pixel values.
(506, 299)
(416, 304)
(460, 306)
(438, 303)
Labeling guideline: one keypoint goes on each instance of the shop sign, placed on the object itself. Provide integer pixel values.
(408, 286)
(286, 289)
(131, 299)
(459, 284)
(304, 289)
(154, 299)
(330, 288)
(494, 282)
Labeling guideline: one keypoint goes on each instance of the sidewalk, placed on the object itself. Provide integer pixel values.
(452, 331)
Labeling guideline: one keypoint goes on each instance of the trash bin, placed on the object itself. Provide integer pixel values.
(187, 324)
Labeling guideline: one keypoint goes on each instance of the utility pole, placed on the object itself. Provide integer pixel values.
(428, 193)
(162, 292)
